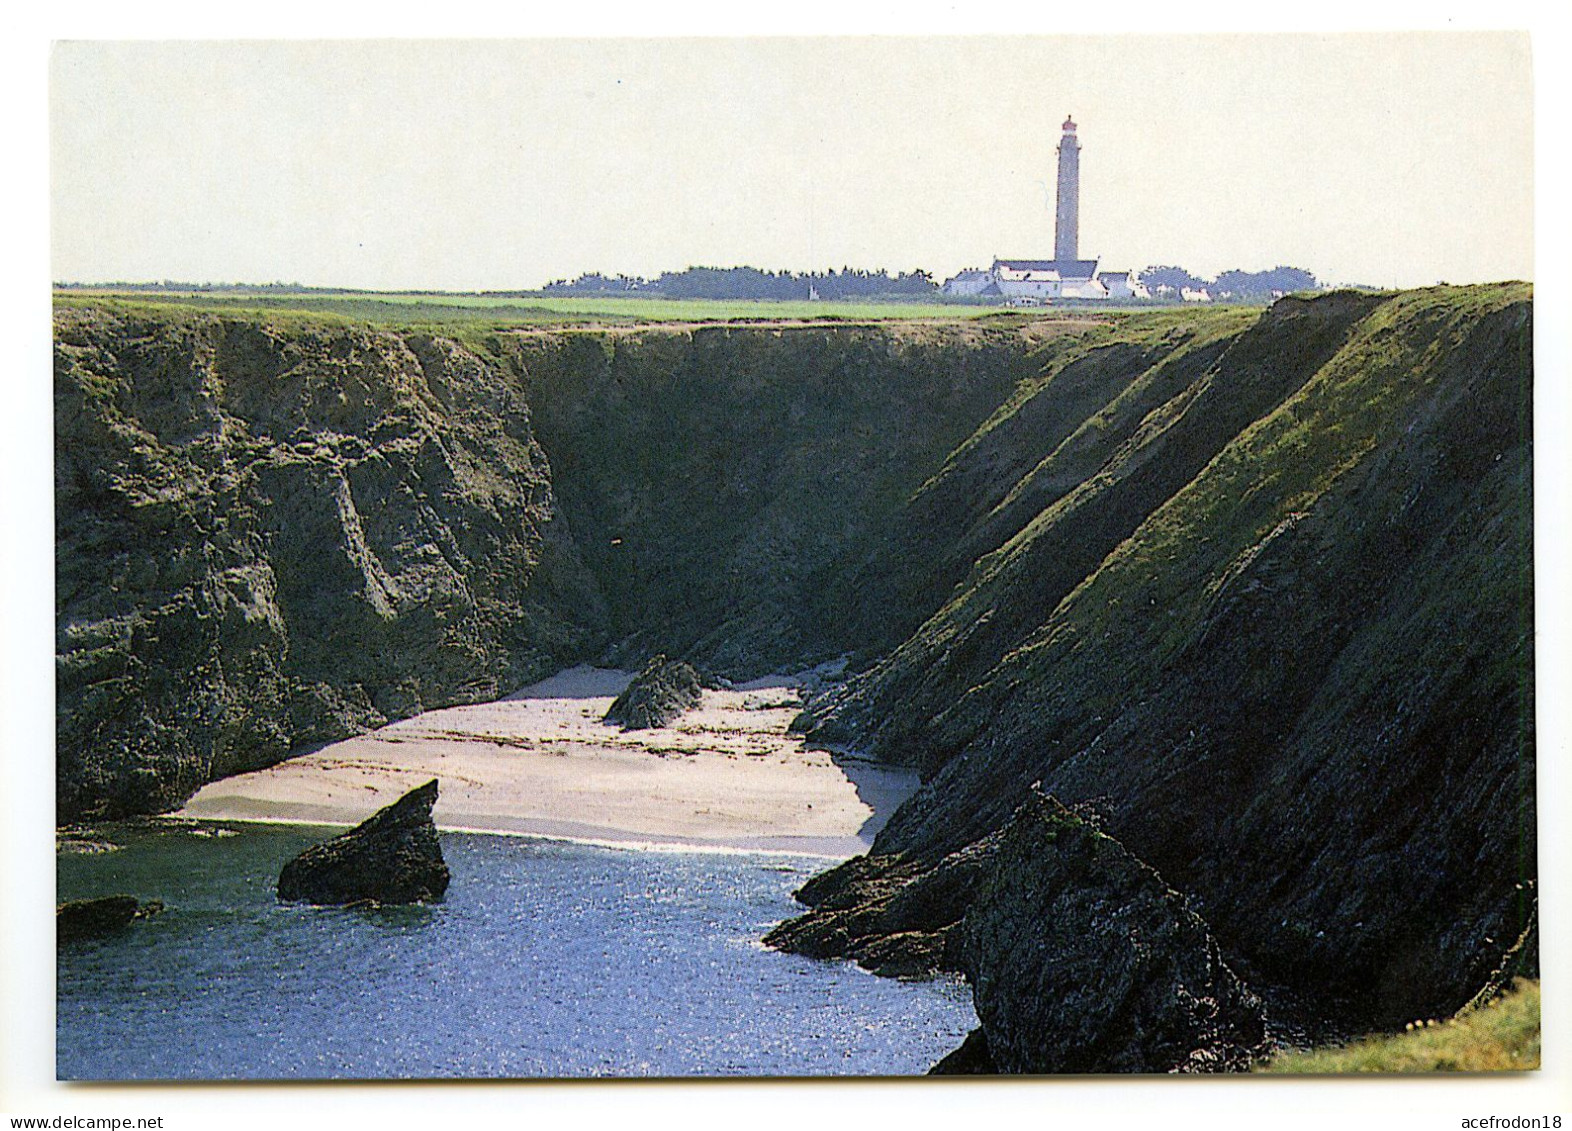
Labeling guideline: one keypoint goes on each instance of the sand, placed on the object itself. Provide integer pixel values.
(724, 776)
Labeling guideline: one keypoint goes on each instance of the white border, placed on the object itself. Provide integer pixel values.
(26, 662)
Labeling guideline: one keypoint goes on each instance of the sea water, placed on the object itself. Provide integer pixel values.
(543, 959)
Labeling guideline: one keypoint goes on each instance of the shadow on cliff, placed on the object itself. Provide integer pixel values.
(582, 682)
(880, 786)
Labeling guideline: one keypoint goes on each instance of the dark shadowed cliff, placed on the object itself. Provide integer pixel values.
(1298, 683)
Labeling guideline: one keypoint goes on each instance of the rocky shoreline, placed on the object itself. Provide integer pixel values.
(1248, 595)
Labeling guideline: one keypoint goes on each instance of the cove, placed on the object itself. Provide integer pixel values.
(546, 959)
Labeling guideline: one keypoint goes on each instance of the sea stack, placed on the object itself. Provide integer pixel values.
(391, 857)
(1082, 960)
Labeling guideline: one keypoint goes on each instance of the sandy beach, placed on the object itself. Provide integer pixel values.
(726, 775)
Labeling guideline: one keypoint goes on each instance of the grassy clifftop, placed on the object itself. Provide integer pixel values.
(1502, 1036)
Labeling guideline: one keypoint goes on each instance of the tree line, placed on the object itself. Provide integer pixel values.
(1245, 285)
(751, 283)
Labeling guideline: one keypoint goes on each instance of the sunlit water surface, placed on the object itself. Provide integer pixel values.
(545, 959)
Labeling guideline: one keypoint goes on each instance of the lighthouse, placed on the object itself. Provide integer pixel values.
(1030, 282)
(1067, 219)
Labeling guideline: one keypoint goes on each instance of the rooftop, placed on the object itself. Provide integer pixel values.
(1067, 268)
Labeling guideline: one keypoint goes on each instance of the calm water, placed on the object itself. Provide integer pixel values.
(544, 960)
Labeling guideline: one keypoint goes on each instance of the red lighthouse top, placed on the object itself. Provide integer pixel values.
(1069, 125)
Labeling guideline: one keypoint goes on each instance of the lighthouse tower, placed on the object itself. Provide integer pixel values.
(1067, 219)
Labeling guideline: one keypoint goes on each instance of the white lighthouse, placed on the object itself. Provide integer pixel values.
(1031, 282)
(1067, 219)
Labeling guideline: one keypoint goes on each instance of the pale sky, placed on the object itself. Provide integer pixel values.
(1389, 159)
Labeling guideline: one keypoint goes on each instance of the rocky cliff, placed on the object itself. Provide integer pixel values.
(1249, 591)
(726, 483)
(1082, 960)
(1288, 660)
(276, 532)
(270, 536)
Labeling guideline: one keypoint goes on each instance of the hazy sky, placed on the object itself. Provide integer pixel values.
(1374, 158)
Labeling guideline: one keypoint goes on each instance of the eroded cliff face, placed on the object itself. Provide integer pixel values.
(725, 483)
(1300, 686)
(275, 534)
(272, 538)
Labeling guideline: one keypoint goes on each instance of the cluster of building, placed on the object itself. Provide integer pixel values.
(1044, 279)
(1064, 276)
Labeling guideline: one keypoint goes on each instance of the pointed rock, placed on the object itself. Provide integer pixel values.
(392, 857)
(657, 696)
(1082, 960)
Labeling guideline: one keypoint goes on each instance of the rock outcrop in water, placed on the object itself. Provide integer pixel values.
(391, 857)
(1082, 960)
(657, 696)
(99, 918)
(896, 917)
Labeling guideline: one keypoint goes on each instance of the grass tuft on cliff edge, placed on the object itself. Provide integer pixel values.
(1500, 1036)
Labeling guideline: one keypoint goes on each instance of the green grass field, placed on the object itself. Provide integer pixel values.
(705, 310)
(499, 312)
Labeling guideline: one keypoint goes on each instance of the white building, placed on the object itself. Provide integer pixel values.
(1044, 280)
(1084, 288)
(972, 281)
(1123, 284)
